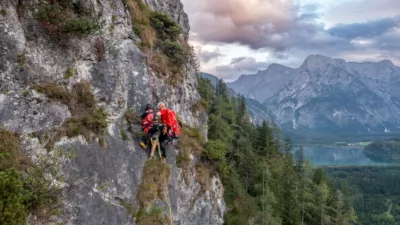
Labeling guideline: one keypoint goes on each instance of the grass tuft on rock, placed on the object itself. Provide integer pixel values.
(86, 119)
(203, 176)
(154, 217)
(53, 91)
(10, 150)
(154, 183)
(70, 73)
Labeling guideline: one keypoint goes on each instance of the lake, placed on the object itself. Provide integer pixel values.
(326, 155)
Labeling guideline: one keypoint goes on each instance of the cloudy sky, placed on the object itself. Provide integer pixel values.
(234, 37)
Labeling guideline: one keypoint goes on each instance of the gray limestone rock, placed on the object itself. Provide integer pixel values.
(99, 176)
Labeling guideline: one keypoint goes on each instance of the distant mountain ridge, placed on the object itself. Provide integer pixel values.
(326, 95)
(257, 111)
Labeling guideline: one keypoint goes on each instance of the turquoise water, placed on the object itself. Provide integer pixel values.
(324, 155)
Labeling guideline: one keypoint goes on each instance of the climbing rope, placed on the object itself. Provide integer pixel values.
(148, 78)
(166, 184)
(157, 140)
(151, 79)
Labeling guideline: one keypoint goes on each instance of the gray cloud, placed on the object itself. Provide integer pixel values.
(247, 64)
(237, 60)
(366, 29)
(241, 21)
(238, 66)
(362, 10)
(290, 33)
(279, 25)
(206, 56)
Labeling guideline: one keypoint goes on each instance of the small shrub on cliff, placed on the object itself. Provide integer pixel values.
(10, 153)
(177, 53)
(154, 217)
(42, 192)
(66, 17)
(190, 142)
(22, 60)
(28, 189)
(161, 35)
(86, 119)
(131, 117)
(12, 208)
(70, 73)
(203, 176)
(3, 12)
(82, 93)
(166, 27)
(86, 125)
(100, 49)
(53, 91)
(81, 27)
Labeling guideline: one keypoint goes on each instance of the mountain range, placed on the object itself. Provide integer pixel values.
(328, 97)
(257, 111)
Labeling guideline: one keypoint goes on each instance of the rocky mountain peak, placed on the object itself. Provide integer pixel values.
(319, 61)
(330, 95)
(387, 62)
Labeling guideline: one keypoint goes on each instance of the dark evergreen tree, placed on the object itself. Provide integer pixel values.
(299, 160)
(264, 182)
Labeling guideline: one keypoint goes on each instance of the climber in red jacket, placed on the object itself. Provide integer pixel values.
(150, 128)
(170, 126)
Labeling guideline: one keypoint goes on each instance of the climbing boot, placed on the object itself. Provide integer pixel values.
(144, 146)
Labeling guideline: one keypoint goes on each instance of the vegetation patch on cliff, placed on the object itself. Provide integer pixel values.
(70, 73)
(190, 143)
(160, 36)
(143, 217)
(132, 120)
(86, 120)
(67, 17)
(154, 216)
(154, 183)
(31, 188)
(10, 153)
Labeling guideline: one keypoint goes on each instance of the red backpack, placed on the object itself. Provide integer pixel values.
(172, 123)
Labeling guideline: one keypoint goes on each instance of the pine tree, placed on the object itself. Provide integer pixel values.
(290, 201)
(264, 183)
(241, 110)
(332, 206)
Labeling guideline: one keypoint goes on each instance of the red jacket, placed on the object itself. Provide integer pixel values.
(148, 120)
(168, 117)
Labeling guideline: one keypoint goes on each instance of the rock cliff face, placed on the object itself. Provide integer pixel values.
(329, 95)
(99, 176)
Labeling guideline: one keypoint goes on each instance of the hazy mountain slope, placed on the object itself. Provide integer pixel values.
(329, 95)
(257, 111)
(264, 84)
